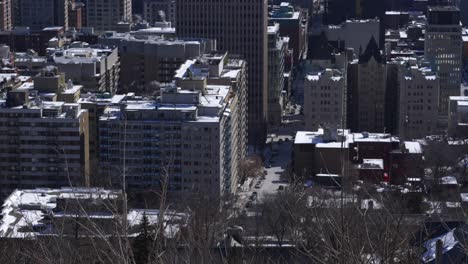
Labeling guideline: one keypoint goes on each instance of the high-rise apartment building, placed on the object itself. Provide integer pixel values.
(292, 24)
(39, 14)
(44, 143)
(323, 99)
(367, 90)
(6, 15)
(145, 59)
(277, 50)
(95, 104)
(191, 138)
(418, 100)
(239, 27)
(152, 11)
(443, 46)
(105, 15)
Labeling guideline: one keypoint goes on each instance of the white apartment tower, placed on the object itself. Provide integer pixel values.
(192, 137)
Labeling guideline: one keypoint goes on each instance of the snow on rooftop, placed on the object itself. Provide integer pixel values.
(448, 243)
(413, 147)
(231, 74)
(448, 180)
(464, 197)
(372, 164)
(305, 137)
(25, 209)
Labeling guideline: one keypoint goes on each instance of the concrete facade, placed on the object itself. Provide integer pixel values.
(106, 15)
(277, 50)
(44, 143)
(151, 58)
(151, 9)
(39, 14)
(193, 136)
(356, 34)
(293, 24)
(239, 27)
(418, 102)
(6, 15)
(324, 99)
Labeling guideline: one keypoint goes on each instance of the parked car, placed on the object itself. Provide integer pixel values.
(268, 166)
(248, 204)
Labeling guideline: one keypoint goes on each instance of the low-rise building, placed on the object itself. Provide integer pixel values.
(87, 213)
(326, 155)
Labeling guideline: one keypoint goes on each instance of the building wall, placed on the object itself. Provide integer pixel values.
(296, 31)
(324, 100)
(75, 14)
(277, 50)
(241, 28)
(151, 10)
(6, 15)
(105, 16)
(458, 116)
(355, 33)
(100, 75)
(38, 14)
(142, 62)
(186, 154)
(371, 87)
(419, 101)
(42, 151)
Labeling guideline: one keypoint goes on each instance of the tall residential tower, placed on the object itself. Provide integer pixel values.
(239, 27)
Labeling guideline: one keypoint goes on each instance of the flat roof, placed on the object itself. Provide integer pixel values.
(413, 147)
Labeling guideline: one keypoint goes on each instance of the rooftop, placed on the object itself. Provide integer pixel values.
(24, 212)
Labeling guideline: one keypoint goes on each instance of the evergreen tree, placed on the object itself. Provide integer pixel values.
(142, 243)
